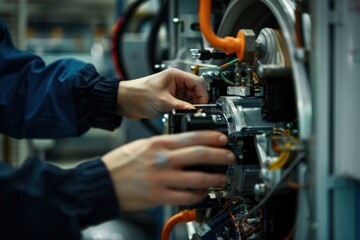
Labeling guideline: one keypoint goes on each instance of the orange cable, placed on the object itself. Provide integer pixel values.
(234, 221)
(293, 184)
(228, 44)
(246, 224)
(289, 236)
(184, 216)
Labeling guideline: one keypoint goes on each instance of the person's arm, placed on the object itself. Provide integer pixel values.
(62, 99)
(42, 201)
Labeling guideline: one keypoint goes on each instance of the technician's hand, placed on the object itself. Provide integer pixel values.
(156, 94)
(148, 172)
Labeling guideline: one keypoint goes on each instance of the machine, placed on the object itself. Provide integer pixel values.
(266, 64)
(260, 97)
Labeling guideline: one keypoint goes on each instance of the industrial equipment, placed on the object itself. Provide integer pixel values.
(262, 72)
(260, 97)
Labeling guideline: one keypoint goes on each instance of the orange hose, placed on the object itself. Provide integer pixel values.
(293, 184)
(228, 44)
(290, 235)
(184, 216)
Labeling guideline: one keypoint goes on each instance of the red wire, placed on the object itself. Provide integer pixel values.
(115, 46)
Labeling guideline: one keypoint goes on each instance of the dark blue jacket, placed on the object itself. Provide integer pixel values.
(65, 98)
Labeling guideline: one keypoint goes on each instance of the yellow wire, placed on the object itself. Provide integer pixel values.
(281, 160)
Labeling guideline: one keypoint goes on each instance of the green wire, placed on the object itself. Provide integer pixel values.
(224, 78)
(233, 61)
(222, 74)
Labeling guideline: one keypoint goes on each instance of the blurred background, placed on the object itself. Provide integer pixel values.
(83, 29)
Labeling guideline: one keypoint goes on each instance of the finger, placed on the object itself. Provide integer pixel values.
(200, 155)
(195, 84)
(181, 140)
(178, 104)
(192, 180)
(178, 197)
(201, 95)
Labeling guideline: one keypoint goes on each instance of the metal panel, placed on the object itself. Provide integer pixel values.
(320, 156)
(334, 87)
(347, 85)
(346, 114)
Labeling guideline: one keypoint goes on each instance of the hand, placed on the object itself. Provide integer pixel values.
(149, 172)
(156, 94)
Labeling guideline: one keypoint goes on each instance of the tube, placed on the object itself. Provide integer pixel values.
(184, 216)
(228, 44)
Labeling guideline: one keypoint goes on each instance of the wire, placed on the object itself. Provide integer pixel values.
(117, 37)
(246, 224)
(226, 65)
(281, 160)
(235, 221)
(228, 44)
(293, 184)
(286, 173)
(289, 236)
(214, 223)
(299, 158)
(252, 228)
(256, 78)
(184, 216)
(279, 131)
(162, 16)
(229, 82)
(115, 46)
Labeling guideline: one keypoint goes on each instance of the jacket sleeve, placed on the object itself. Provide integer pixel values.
(42, 201)
(62, 99)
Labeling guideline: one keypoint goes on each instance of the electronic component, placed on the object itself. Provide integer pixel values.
(255, 100)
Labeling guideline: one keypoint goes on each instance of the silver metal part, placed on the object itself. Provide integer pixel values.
(250, 44)
(269, 51)
(283, 12)
(244, 119)
(260, 189)
(270, 178)
(205, 105)
(195, 53)
(245, 115)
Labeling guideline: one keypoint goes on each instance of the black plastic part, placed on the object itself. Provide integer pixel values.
(207, 55)
(218, 88)
(192, 120)
(249, 154)
(212, 121)
(279, 96)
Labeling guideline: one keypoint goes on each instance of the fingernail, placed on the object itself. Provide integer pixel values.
(223, 139)
(230, 157)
